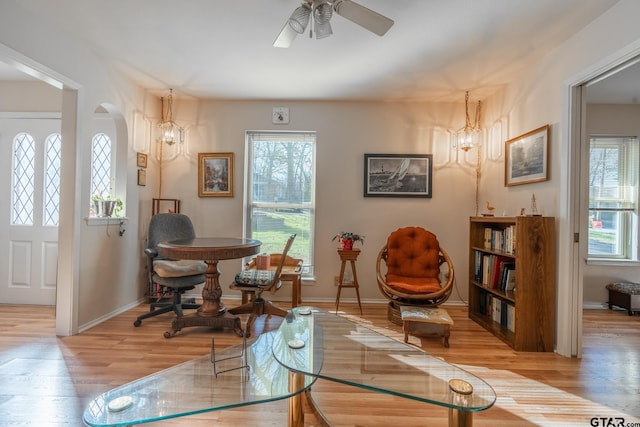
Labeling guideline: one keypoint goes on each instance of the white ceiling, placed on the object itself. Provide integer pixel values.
(436, 50)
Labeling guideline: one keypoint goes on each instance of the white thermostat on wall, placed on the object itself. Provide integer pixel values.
(280, 115)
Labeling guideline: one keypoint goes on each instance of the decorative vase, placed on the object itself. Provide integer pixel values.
(107, 207)
(97, 207)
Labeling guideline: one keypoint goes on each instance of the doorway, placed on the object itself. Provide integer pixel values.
(30, 176)
(598, 80)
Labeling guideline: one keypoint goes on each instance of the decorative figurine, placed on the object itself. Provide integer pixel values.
(534, 206)
(490, 210)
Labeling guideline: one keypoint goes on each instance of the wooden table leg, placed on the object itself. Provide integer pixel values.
(211, 293)
(296, 412)
(461, 393)
(355, 283)
(296, 300)
(212, 313)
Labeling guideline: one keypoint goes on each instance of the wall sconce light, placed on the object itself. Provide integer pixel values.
(469, 136)
(169, 131)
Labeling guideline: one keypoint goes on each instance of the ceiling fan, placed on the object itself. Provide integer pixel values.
(322, 10)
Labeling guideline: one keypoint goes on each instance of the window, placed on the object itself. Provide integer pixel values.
(51, 203)
(23, 189)
(613, 198)
(101, 167)
(26, 196)
(280, 192)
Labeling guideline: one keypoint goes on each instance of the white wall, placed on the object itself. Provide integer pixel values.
(345, 132)
(542, 97)
(97, 274)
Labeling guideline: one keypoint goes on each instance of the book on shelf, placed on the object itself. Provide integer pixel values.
(477, 266)
(502, 239)
(497, 308)
(510, 280)
(487, 237)
(511, 317)
(491, 270)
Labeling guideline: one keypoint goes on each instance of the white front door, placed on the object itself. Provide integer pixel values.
(29, 195)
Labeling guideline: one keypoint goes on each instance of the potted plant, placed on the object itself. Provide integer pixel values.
(347, 239)
(112, 207)
(96, 199)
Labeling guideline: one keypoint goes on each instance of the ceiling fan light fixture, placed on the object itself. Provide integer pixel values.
(300, 18)
(322, 13)
(322, 30)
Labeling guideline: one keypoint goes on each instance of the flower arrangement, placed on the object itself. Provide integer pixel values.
(347, 239)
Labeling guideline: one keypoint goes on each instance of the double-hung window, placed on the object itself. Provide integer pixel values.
(280, 192)
(613, 198)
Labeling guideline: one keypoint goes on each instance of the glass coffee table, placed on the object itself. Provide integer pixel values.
(284, 364)
(336, 349)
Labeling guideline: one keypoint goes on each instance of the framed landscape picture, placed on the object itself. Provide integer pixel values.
(527, 158)
(397, 175)
(215, 174)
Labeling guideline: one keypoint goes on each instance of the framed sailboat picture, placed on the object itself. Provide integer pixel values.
(397, 175)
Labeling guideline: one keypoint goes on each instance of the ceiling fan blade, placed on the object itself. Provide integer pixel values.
(363, 16)
(286, 36)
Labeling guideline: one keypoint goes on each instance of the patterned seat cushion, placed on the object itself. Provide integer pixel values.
(254, 277)
(178, 268)
(625, 288)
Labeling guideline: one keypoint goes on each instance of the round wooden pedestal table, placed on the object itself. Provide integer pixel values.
(212, 312)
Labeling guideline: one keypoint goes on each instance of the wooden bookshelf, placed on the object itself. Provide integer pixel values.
(523, 317)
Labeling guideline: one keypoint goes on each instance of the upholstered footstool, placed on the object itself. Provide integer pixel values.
(625, 295)
(426, 321)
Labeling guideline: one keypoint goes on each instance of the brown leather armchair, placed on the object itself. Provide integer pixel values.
(413, 269)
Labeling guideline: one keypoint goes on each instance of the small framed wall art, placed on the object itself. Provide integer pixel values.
(215, 174)
(527, 158)
(397, 175)
(141, 160)
(142, 177)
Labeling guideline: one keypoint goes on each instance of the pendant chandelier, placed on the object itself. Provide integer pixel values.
(169, 131)
(469, 136)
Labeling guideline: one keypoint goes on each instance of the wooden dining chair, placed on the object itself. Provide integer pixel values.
(256, 282)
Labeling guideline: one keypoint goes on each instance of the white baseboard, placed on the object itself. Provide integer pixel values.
(108, 316)
(595, 305)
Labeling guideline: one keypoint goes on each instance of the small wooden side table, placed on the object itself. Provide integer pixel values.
(351, 256)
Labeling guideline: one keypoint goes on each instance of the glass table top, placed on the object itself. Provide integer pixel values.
(193, 387)
(310, 342)
(337, 349)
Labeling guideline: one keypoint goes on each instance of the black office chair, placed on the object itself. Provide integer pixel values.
(168, 275)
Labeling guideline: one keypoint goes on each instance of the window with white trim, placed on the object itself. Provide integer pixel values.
(280, 192)
(613, 198)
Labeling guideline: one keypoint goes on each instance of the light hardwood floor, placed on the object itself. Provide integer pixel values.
(48, 381)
